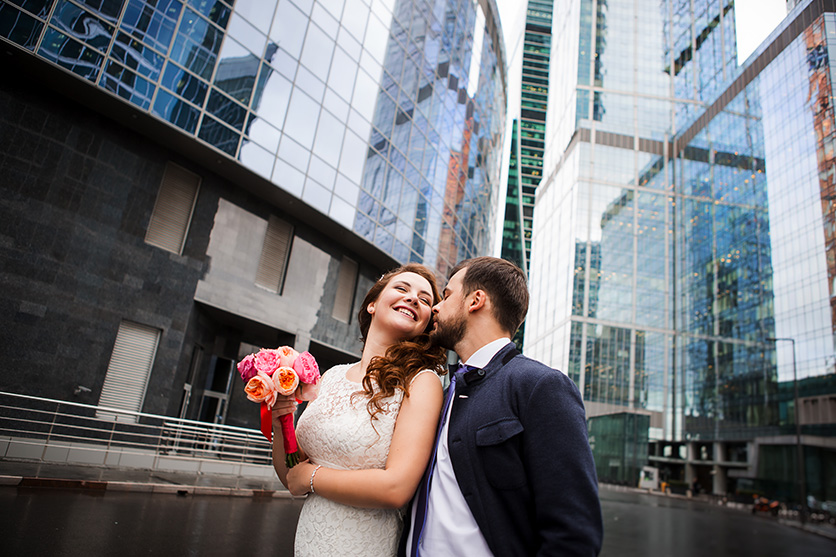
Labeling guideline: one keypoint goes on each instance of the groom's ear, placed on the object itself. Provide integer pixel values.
(476, 300)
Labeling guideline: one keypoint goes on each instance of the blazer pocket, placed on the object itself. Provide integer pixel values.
(499, 446)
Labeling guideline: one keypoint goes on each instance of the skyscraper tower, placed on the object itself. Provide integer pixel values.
(528, 134)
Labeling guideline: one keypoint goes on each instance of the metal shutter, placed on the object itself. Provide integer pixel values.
(128, 371)
(173, 209)
(274, 253)
(346, 282)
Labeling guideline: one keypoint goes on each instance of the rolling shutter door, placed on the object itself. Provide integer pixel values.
(173, 209)
(128, 371)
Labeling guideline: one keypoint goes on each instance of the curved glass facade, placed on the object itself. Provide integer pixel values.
(698, 198)
(385, 115)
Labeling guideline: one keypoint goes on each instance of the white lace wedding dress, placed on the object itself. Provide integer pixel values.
(335, 430)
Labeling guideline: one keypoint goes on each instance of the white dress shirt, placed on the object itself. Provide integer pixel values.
(450, 528)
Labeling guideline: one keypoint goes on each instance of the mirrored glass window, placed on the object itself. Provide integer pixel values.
(136, 56)
(18, 27)
(237, 70)
(82, 25)
(316, 55)
(215, 10)
(226, 109)
(257, 12)
(109, 9)
(302, 116)
(271, 96)
(246, 34)
(39, 8)
(176, 111)
(196, 45)
(215, 133)
(70, 54)
(127, 85)
(184, 84)
(288, 29)
(153, 26)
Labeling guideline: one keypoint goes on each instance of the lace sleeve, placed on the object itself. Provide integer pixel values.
(424, 371)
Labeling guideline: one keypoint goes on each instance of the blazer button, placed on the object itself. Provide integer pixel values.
(481, 373)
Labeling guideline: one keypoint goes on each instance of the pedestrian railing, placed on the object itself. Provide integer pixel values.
(46, 430)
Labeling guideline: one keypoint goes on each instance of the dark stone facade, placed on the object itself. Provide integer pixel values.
(78, 190)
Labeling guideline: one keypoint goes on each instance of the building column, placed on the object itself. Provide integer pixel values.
(690, 469)
(720, 472)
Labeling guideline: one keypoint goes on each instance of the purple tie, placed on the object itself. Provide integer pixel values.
(422, 498)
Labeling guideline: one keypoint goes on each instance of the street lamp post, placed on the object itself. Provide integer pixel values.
(799, 447)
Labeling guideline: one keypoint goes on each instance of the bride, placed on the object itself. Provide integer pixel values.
(369, 434)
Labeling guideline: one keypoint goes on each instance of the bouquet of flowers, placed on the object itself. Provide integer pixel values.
(283, 371)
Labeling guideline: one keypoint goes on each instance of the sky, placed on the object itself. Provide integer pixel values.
(755, 20)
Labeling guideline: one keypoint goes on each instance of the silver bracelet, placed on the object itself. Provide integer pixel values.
(313, 474)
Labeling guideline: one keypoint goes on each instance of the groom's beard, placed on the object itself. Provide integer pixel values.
(448, 334)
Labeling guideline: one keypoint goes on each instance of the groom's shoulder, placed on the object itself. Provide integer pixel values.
(536, 371)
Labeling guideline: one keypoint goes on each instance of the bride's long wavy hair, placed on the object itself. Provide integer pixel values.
(403, 360)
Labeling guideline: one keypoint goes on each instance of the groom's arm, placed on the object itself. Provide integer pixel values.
(558, 461)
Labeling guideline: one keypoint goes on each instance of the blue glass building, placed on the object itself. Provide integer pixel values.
(685, 223)
(216, 175)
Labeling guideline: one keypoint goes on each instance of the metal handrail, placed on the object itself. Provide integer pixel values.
(27, 421)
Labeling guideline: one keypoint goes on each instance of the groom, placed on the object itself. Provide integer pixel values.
(513, 472)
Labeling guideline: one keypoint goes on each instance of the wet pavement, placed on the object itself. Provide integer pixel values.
(91, 521)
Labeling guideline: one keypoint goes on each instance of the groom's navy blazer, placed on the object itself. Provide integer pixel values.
(518, 444)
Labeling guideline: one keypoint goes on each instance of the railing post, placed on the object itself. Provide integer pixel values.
(49, 433)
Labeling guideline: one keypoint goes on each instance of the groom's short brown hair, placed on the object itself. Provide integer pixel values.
(504, 284)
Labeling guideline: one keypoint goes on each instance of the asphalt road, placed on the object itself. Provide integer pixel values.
(39, 521)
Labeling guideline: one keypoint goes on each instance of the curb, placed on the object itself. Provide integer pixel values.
(134, 487)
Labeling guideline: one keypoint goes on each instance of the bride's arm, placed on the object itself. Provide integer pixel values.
(283, 405)
(409, 453)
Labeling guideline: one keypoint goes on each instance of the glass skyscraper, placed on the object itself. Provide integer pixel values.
(529, 132)
(684, 224)
(385, 115)
(185, 181)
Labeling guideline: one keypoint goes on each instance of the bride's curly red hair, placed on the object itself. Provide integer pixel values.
(403, 360)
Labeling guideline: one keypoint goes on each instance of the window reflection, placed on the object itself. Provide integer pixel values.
(215, 10)
(226, 109)
(271, 96)
(220, 136)
(19, 27)
(246, 34)
(257, 12)
(109, 9)
(152, 25)
(72, 55)
(81, 25)
(288, 30)
(39, 8)
(137, 56)
(237, 69)
(184, 84)
(127, 85)
(197, 44)
(176, 111)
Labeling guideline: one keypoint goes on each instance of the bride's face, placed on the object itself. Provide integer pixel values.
(404, 306)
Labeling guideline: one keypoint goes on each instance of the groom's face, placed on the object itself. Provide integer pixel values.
(450, 315)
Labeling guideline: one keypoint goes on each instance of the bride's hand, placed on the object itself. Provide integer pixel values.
(284, 405)
(299, 478)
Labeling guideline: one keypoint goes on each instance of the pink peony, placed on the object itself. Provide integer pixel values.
(267, 361)
(306, 368)
(246, 368)
(287, 356)
(260, 388)
(307, 391)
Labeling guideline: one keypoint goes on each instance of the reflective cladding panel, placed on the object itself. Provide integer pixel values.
(386, 115)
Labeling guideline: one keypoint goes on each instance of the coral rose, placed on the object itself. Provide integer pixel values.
(287, 356)
(306, 368)
(261, 388)
(285, 380)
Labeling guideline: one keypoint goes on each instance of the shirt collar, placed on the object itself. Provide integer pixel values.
(484, 355)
